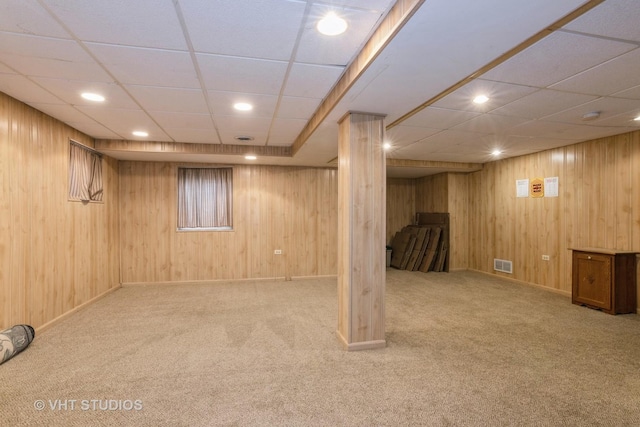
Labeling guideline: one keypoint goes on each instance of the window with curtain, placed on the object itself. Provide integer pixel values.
(85, 173)
(205, 198)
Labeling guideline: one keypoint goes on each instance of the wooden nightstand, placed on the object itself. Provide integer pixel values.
(604, 279)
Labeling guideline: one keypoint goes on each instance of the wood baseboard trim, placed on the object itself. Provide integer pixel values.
(201, 282)
(325, 276)
(522, 282)
(359, 346)
(74, 310)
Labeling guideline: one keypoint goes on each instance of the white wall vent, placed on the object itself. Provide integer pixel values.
(503, 265)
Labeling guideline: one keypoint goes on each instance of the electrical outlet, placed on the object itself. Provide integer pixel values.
(277, 252)
(545, 257)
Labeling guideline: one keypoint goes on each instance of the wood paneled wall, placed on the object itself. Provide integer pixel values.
(598, 206)
(448, 192)
(458, 208)
(401, 205)
(287, 208)
(55, 255)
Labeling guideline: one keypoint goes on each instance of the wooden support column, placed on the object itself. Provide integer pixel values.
(361, 231)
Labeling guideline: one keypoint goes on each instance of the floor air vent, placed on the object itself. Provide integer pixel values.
(503, 265)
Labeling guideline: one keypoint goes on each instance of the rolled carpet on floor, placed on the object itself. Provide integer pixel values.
(14, 340)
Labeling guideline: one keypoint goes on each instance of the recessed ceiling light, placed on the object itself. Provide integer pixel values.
(140, 133)
(92, 97)
(496, 152)
(332, 25)
(480, 99)
(243, 106)
(386, 146)
(250, 157)
(637, 119)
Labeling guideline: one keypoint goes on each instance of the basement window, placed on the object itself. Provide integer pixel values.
(85, 173)
(205, 198)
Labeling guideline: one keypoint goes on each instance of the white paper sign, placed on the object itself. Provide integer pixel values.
(522, 188)
(551, 187)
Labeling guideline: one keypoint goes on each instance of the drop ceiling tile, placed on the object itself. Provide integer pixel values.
(582, 132)
(631, 93)
(28, 17)
(95, 130)
(382, 96)
(450, 141)
(147, 67)
(25, 90)
(458, 38)
(297, 108)
(269, 31)
(143, 23)
(70, 90)
(285, 131)
(624, 122)
(230, 127)
(607, 107)
(539, 129)
(499, 94)
(517, 145)
(125, 121)
(174, 120)
(543, 103)
(439, 118)
(460, 157)
(490, 123)
(226, 73)
(402, 135)
(64, 113)
(417, 151)
(316, 48)
(624, 13)
(222, 104)
(55, 69)
(48, 57)
(610, 77)
(178, 100)
(193, 135)
(42, 47)
(311, 81)
(371, 5)
(555, 58)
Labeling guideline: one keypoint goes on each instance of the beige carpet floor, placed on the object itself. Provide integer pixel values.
(463, 349)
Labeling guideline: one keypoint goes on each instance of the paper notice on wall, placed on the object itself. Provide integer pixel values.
(522, 188)
(551, 187)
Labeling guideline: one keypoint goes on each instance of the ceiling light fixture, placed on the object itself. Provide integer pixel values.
(332, 25)
(386, 146)
(250, 157)
(591, 116)
(496, 152)
(243, 138)
(92, 97)
(140, 133)
(243, 106)
(480, 99)
(637, 119)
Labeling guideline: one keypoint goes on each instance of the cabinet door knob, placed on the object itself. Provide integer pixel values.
(589, 257)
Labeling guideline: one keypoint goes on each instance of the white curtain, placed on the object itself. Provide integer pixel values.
(205, 197)
(85, 174)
